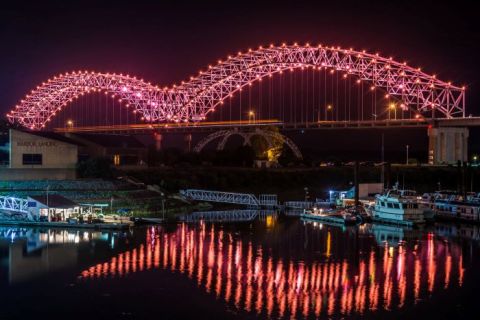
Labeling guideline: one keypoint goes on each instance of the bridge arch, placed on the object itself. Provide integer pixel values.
(194, 99)
(269, 136)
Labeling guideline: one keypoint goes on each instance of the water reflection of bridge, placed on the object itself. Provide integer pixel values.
(225, 216)
(252, 278)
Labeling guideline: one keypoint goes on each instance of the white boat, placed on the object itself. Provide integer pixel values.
(398, 207)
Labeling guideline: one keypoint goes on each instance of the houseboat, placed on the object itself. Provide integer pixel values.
(398, 207)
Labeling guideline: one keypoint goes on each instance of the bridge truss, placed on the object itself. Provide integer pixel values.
(220, 196)
(13, 204)
(269, 137)
(194, 99)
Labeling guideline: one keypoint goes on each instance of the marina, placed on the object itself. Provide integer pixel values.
(235, 160)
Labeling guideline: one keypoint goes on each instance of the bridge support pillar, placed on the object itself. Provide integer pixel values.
(188, 140)
(158, 141)
(447, 145)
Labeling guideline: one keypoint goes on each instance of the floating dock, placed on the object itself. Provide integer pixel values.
(334, 220)
(404, 223)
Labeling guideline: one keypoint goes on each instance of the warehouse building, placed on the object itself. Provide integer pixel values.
(38, 155)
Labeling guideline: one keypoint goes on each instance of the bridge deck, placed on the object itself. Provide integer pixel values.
(217, 125)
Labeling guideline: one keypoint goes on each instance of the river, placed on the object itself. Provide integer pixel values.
(270, 267)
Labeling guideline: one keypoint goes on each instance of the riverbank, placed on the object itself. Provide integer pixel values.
(289, 183)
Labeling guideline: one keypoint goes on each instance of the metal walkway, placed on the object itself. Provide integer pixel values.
(13, 204)
(247, 199)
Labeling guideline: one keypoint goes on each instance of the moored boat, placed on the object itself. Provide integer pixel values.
(398, 207)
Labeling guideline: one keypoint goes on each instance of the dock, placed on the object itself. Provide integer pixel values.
(63, 225)
(404, 223)
(330, 219)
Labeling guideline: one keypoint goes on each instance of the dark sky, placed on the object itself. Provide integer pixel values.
(166, 42)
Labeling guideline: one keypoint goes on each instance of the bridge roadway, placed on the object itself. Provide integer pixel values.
(218, 125)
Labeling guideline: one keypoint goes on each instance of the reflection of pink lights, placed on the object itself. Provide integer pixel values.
(260, 283)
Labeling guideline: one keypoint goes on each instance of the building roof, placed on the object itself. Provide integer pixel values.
(112, 140)
(55, 201)
(52, 136)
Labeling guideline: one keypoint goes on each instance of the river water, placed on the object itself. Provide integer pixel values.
(272, 267)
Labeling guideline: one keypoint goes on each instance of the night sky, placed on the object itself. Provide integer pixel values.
(166, 42)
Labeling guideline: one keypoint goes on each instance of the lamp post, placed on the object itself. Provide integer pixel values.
(163, 207)
(392, 107)
(69, 124)
(251, 115)
(328, 108)
(407, 153)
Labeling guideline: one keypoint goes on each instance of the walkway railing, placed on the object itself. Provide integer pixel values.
(13, 204)
(220, 196)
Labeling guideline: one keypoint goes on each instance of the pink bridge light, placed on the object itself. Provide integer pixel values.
(194, 99)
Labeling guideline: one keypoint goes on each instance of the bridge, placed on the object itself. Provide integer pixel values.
(247, 199)
(214, 126)
(337, 88)
(13, 204)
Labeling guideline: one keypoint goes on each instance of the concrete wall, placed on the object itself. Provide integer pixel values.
(37, 174)
(55, 154)
(447, 145)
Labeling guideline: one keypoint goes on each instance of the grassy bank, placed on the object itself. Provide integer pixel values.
(289, 183)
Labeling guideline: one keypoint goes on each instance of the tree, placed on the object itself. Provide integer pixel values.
(95, 168)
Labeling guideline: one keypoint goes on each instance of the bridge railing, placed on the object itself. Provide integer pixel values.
(299, 204)
(220, 196)
(13, 204)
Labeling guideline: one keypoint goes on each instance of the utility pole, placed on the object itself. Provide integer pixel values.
(407, 154)
(355, 174)
(163, 207)
(382, 178)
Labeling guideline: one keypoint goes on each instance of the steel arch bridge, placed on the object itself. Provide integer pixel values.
(269, 136)
(194, 99)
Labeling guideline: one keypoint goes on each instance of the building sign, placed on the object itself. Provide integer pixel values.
(36, 144)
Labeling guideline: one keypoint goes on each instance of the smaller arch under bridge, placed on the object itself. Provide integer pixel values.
(13, 204)
(269, 136)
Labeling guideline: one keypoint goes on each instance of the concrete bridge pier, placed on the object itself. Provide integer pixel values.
(447, 145)
(158, 141)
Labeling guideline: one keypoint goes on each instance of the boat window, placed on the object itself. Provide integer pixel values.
(396, 206)
(389, 205)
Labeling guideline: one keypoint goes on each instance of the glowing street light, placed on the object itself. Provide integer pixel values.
(329, 108)
(391, 107)
(69, 124)
(251, 115)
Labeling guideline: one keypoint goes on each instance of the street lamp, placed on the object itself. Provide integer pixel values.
(251, 114)
(70, 124)
(392, 106)
(407, 153)
(329, 108)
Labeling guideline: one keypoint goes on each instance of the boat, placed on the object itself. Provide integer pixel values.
(337, 216)
(451, 205)
(398, 207)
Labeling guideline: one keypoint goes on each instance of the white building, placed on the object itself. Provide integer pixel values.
(39, 155)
